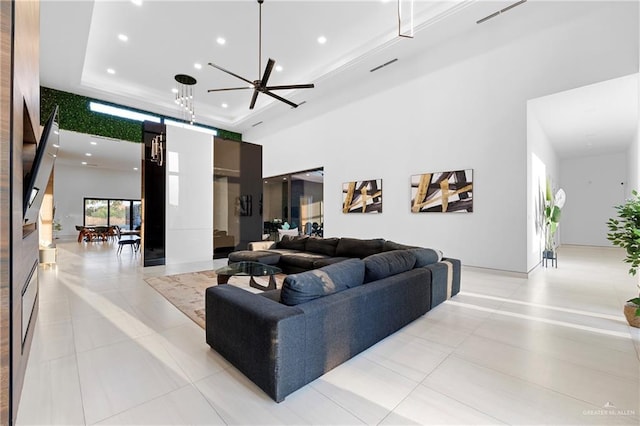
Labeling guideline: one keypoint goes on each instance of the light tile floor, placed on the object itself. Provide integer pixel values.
(553, 348)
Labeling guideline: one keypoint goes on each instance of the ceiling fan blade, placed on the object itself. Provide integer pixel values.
(291, 86)
(230, 73)
(281, 99)
(267, 72)
(253, 99)
(230, 88)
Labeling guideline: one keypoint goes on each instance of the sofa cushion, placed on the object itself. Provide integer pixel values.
(322, 245)
(310, 285)
(301, 259)
(355, 247)
(328, 261)
(383, 265)
(291, 242)
(262, 256)
(392, 245)
(425, 256)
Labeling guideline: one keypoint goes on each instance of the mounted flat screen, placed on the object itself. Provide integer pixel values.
(35, 182)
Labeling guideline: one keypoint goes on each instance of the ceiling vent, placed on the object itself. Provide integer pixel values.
(501, 11)
(383, 65)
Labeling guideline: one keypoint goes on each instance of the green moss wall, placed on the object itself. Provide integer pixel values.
(76, 116)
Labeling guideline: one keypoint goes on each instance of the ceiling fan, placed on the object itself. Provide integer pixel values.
(260, 85)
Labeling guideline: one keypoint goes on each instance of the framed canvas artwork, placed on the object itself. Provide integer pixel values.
(364, 196)
(442, 192)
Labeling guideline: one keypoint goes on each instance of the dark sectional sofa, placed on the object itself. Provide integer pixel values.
(284, 339)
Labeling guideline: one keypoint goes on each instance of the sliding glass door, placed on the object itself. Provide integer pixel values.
(109, 212)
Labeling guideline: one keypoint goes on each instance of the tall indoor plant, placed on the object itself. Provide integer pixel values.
(624, 232)
(552, 212)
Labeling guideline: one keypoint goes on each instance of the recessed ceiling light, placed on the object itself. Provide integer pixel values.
(322, 39)
(137, 2)
(84, 163)
(174, 90)
(93, 143)
(197, 66)
(111, 71)
(123, 37)
(55, 155)
(88, 154)
(224, 106)
(279, 68)
(221, 40)
(55, 145)
(135, 168)
(284, 178)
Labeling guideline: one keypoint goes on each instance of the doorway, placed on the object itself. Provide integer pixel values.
(294, 201)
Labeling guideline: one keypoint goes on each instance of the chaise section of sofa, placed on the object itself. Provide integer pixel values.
(284, 339)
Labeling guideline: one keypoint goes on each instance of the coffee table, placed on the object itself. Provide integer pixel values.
(250, 269)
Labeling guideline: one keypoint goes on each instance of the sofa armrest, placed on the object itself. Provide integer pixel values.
(261, 245)
(445, 280)
(264, 339)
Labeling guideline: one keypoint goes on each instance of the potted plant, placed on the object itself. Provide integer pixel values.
(624, 232)
(552, 212)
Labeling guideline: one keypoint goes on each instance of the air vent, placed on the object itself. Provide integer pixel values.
(257, 124)
(383, 65)
(501, 11)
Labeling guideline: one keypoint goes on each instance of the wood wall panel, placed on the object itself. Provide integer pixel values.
(23, 91)
(6, 22)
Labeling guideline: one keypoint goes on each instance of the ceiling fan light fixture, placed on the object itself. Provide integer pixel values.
(260, 85)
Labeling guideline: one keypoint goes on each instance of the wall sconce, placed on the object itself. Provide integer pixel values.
(157, 151)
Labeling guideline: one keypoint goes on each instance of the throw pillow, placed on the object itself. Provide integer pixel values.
(383, 265)
(426, 256)
(310, 285)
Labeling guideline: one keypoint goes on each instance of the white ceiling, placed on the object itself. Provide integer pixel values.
(106, 153)
(79, 42)
(590, 120)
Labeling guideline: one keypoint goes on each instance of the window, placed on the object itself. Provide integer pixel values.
(109, 212)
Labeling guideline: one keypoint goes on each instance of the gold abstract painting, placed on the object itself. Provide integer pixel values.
(442, 192)
(363, 196)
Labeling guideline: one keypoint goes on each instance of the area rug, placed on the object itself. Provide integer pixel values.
(186, 291)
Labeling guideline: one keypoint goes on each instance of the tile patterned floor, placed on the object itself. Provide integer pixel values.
(549, 349)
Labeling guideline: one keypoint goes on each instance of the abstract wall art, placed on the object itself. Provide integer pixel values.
(363, 196)
(442, 192)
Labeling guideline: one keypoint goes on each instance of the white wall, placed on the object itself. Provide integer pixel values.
(72, 184)
(461, 105)
(593, 186)
(542, 164)
(189, 196)
(633, 162)
(633, 156)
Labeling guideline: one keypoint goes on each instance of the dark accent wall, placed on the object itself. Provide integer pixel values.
(153, 200)
(251, 184)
